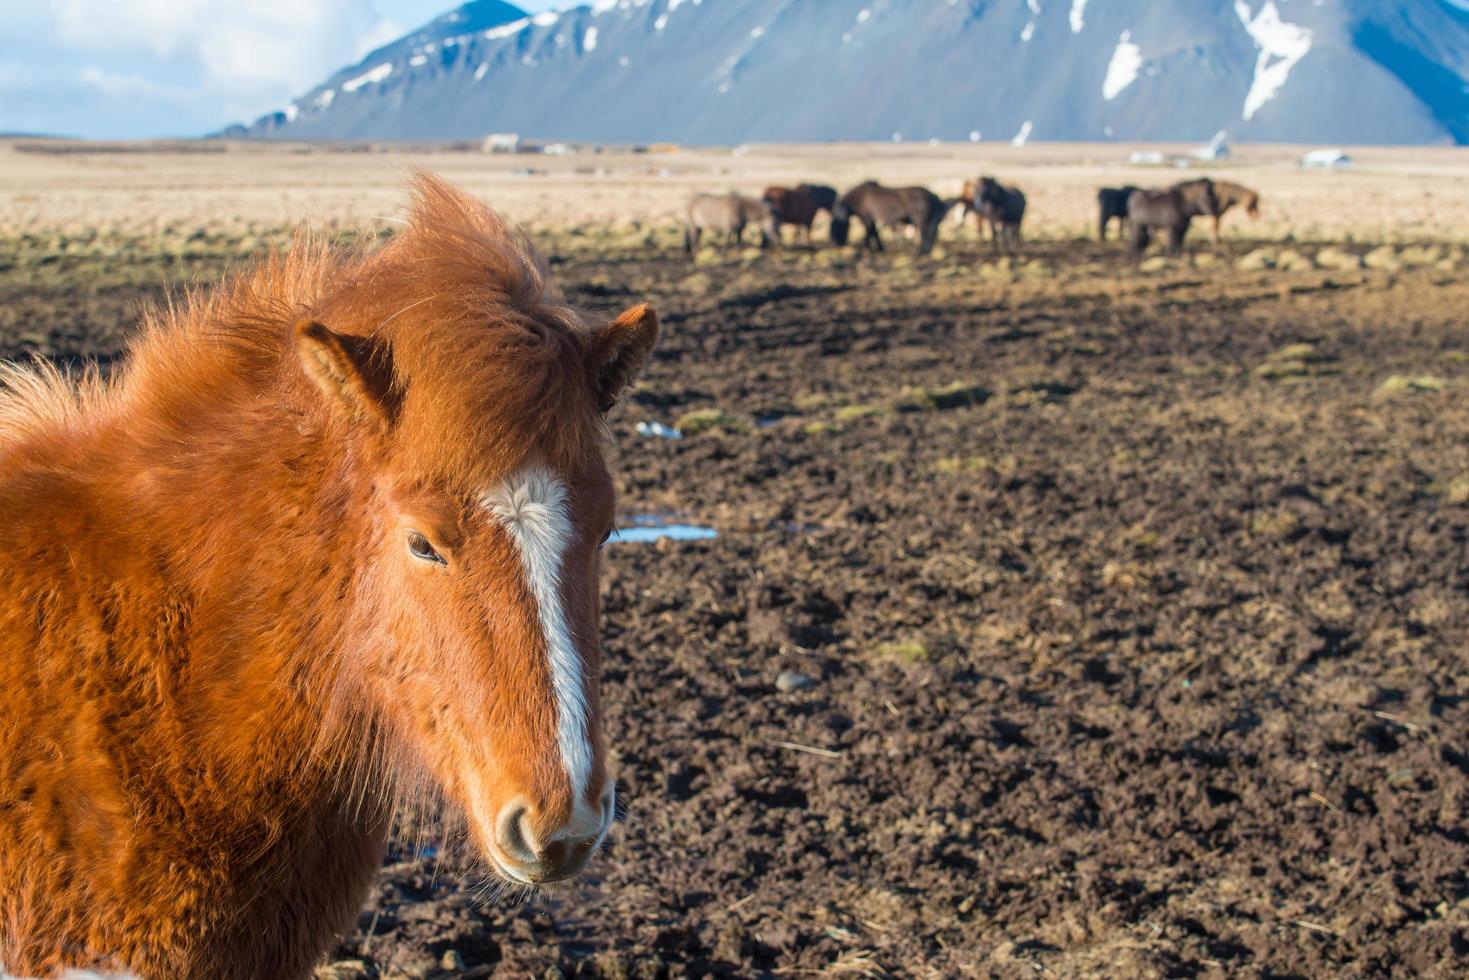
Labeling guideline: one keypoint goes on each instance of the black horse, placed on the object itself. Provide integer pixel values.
(1112, 203)
(1004, 208)
(876, 206)
(825, 198)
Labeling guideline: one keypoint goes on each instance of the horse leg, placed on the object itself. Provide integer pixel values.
(1216, 229)
(691, 237)
(874, 240)
(1137, 242)
(1102, 228)
(1175, 240)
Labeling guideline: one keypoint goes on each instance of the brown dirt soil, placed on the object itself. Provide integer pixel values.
(1136, 607)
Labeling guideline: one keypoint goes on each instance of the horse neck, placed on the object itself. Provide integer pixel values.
(259, 518)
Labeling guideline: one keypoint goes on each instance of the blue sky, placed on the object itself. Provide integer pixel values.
(119, 69)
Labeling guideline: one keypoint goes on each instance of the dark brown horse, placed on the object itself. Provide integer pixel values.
(1112, 203)
(1170, 210)
(1004, 208)
(893, 207)
(1226, 195)
(793, 206)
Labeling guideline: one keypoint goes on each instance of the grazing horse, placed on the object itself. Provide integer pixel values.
(1226, 195)
(792, 206)
(875, 206)
(1171, 210)
(1004, 207)
(728, 214)
(1112, 203)
(325, 544)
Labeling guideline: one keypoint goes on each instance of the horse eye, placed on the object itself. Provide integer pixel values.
(419, 548)
(606, 536)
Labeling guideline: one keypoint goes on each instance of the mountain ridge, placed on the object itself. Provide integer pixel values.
(731, 71)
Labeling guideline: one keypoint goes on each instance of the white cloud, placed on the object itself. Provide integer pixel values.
(110, 69)
(262, 45)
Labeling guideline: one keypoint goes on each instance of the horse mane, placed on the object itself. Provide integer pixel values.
(457, 303)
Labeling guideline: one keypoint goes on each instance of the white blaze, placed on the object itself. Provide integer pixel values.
(532, 508)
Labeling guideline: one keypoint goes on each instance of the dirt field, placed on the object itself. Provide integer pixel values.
(1130, 610)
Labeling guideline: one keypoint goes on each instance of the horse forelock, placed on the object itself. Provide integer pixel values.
(483, 350)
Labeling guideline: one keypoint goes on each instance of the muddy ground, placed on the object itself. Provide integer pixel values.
(1134, 608)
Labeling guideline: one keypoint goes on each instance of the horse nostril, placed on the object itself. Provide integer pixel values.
(513, 836)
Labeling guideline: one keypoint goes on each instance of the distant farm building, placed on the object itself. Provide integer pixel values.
(1325, 159)
(501, 143)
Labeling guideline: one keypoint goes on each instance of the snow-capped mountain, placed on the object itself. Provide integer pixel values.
(728, 71)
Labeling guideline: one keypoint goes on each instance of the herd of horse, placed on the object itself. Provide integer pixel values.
(1142, 214)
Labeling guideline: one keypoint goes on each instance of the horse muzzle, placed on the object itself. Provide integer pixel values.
(524, 851)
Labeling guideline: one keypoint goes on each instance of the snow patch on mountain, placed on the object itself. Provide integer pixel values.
(1282, 45)
(1127, 59)
(508, 30)
(1078, 15)
(368, 77)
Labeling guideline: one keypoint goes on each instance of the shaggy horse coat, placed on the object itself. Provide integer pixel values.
(325, 544)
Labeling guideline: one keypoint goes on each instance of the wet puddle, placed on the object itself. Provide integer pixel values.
(655, 527)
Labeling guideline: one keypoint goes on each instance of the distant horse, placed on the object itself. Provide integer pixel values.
(792, 206)
(893, 207)
(968, 204)
(1004, 207)
(728, 214)
(1227, 194)
(824, 197)
(1112, 203)
(1170, 210)
(325, 543)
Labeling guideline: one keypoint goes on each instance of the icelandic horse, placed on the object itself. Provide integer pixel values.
(327, 542)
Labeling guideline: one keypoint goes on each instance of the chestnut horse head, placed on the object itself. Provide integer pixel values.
(467, 399)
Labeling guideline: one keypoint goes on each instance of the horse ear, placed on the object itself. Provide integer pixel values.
(343, 368)
(619, 352)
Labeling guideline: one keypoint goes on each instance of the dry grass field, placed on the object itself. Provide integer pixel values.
(1388, 195)
(1123, 613)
